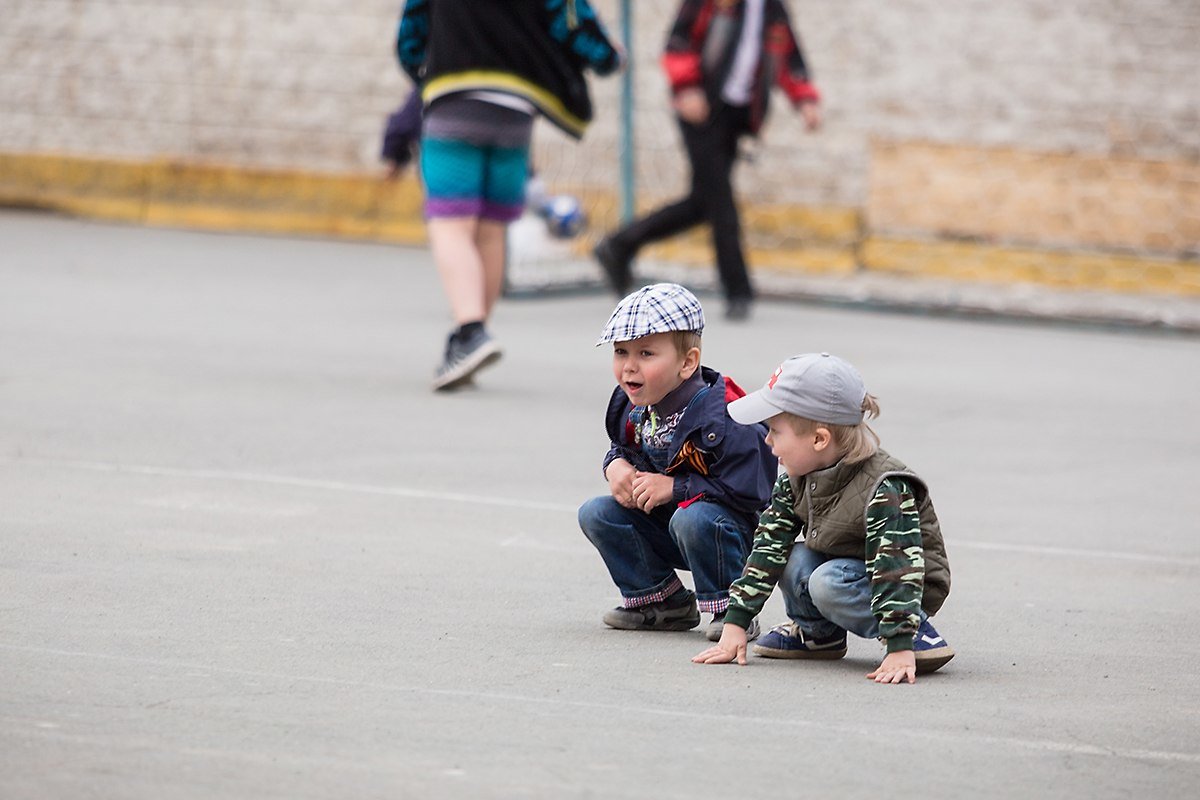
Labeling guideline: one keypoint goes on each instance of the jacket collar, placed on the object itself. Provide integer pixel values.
(706, 414)
(824, 483)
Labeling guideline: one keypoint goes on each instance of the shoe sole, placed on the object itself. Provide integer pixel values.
(934, 663)
(485, 356)
(803, 655)
(673, 625)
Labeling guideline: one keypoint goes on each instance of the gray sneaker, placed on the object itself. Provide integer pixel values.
(713, 632)
(465, 357)
(677, 613)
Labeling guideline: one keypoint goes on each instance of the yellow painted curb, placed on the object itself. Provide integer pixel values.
(216, 197)
(970, 261)
(826, 241)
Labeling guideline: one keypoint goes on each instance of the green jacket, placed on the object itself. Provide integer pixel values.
(832, 506)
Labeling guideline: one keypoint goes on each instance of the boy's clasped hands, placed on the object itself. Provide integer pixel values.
(642, 490)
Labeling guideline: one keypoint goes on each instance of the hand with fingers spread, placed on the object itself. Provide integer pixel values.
(731, 646)
(650, 490)
(620, 481)
(896, 668)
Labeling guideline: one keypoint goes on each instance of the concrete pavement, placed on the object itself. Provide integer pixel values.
(247, 553)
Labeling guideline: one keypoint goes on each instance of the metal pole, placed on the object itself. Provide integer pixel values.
(627, 165)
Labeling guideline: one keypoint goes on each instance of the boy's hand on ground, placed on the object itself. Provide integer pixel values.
(620, 481)
(691, 105)
(896, 667)
(811, 112)
(651, 490)
(731, 646)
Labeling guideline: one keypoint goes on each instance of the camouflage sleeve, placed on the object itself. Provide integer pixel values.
(895, 562)
(773, 542)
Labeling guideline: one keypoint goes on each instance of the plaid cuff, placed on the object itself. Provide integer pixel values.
(672, 586)
(714, 607)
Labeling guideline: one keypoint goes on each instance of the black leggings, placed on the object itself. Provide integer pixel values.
(712, 150)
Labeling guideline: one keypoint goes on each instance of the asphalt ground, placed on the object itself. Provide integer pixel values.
(245, 552)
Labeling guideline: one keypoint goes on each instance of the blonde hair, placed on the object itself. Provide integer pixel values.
(685, 340)
(853, 443)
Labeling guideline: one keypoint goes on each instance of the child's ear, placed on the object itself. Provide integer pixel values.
(691, 362)
(822, 438)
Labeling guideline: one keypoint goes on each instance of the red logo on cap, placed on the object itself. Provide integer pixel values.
(774, 377)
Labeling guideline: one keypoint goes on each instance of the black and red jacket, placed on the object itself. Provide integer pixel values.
(704, 39)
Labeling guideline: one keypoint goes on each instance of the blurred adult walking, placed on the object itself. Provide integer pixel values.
(721, 60)
(486, 68)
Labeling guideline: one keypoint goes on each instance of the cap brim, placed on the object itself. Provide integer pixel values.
(752, 408)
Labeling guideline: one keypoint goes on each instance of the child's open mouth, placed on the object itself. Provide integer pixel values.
(631, 386)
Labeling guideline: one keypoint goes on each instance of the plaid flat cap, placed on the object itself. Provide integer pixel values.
(659, 308)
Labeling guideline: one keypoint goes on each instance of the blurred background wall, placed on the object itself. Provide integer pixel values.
(1056, 125)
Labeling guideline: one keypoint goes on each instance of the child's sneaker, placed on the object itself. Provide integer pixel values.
(713, 632)
(464, 357)
(930, 649)
(677, 613)
(788, 641)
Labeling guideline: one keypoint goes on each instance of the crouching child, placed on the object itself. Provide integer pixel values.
(686, 482)
(850, 537)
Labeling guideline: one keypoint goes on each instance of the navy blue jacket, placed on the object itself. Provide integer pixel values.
(711, 455)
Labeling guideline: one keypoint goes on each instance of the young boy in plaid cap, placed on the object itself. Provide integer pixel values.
(686, 482)
(870, 557)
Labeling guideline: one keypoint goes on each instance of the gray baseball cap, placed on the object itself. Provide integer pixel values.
(659, 308)
(815, 386)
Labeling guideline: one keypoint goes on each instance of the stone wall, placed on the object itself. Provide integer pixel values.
(971, 119)
(303, 83)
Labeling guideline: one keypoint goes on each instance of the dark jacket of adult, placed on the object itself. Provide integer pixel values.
(704, 39)
(534, 49)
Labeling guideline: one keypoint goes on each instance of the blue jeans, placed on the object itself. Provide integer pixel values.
(825, 595)
(642, 551)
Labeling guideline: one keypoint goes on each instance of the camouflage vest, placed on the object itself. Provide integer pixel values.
(833, 506)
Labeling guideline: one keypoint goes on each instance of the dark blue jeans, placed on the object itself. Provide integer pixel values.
(642, 551)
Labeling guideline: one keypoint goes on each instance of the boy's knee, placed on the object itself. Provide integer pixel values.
(828, 583)
(698, 522)
(591, 511)
(599, 514)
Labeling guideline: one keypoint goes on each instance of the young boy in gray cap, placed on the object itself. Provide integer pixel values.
(686, 482)
(871, 558)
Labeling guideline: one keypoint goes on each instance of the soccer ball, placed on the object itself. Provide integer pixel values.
(565, 217)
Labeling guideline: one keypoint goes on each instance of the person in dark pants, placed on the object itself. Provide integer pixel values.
(722, 58)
